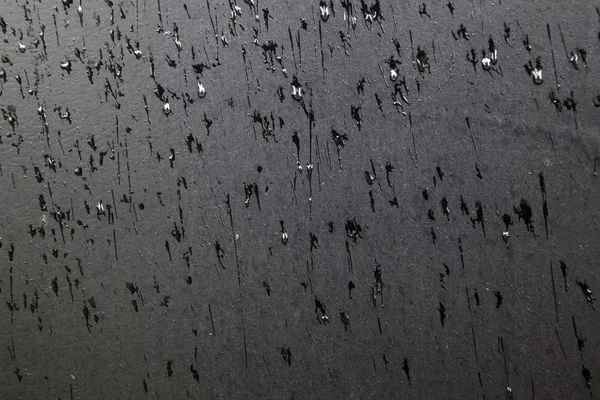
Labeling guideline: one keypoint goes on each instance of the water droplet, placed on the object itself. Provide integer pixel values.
(574, 59)
(422, 60)
(393, 75)
(296, 92)
(201, 90)
(167, 108)
(66, 65)
(537, 76)
(22, 48)
(494, 56)
(486, 63)
(324, 8)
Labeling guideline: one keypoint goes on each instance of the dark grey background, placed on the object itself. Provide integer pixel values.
(180, 285)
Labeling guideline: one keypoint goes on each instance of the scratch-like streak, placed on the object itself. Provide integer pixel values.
(237, 259)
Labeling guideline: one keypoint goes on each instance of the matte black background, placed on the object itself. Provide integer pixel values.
(142, 253)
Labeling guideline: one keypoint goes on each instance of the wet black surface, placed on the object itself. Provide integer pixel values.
(289, 201)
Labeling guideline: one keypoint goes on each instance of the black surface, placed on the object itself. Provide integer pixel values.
(143, 252)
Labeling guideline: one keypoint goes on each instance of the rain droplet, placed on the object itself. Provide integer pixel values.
(201, 90)
(486, 63)
(422, 60)
(574, 59)
(324, 8)
(537, 76)
(494, 56)
(66, 65)
(296, 92)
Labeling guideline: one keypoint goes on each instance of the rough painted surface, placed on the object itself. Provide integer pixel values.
(328, 200)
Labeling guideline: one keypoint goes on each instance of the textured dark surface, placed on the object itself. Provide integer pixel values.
(432, 237)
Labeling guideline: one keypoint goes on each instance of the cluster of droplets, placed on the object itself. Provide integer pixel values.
(487, 62)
